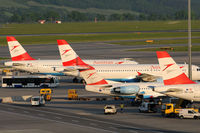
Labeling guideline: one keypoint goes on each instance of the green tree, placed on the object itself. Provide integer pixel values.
(16, 18)
(77, 16)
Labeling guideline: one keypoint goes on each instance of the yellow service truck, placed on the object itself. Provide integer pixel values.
(72, 94)
(46, 93)
(169, 110)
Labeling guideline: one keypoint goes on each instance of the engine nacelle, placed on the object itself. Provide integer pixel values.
(58, 69)
(131, 89)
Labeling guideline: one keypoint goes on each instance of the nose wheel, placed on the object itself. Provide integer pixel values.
(75, 80)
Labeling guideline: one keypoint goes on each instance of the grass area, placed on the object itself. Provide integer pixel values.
(93, 37)
(4, 58)
(177, 49)
(177, 41)
(85, 27)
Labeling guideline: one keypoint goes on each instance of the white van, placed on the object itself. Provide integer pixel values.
(188, 113)
(37, 101)
(110, 109)
(148, 107)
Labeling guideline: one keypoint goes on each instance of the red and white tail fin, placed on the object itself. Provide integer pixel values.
(17, 52)
(70, 58)
(171, 72)
(68, 55)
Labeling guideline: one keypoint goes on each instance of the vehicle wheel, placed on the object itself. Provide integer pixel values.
(195, 117)
(140, 111)
(83, 81)
(181, 117)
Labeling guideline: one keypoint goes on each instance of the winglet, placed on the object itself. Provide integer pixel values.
(171, 72)
(17, 52)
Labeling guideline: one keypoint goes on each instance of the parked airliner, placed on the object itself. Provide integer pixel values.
(176, 83)
(123, 72)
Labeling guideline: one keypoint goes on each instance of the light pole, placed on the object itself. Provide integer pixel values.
(189, 40)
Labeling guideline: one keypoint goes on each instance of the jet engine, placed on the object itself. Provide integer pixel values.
(146, 77)
(127, 90)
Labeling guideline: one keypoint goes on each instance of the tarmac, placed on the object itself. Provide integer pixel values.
(61, 115)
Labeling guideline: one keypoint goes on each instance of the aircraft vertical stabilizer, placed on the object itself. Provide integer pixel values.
(69, 57)
(17, 52)
(171, 72)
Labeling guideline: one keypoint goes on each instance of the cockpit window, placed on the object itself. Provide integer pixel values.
(198, 69)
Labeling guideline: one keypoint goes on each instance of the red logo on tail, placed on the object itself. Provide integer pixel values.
(91, 74)
(119, 62)
(167, 66)
(14, 47)
(65, 51)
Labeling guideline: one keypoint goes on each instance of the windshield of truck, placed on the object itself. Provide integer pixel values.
(35, 99)
(194, 111)
(168, 107)
(108, 107)
(190, 112)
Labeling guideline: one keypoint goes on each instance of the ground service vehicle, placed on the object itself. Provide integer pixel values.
(169, 110)
(148, 107)
(46, 93)
(110, 109)
(72, 94)
(29, 81)
(37, 101)
(188, 113)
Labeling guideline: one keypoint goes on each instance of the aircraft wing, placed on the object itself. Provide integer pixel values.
(171, 90)
(163, 90)
(147, 77)
(174, 90)
(18, 64)
(70, 68)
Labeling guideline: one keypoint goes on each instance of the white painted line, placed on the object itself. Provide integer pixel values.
(132, 131)
(10, 109)
(41, 114)
(26, 112)
(75, 120)
(113, 127)
(58, 118)
(93, 124)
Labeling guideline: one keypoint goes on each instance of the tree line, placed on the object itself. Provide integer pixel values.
(75, 16)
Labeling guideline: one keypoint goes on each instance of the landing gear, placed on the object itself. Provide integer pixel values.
(83, 81)
(75, 80)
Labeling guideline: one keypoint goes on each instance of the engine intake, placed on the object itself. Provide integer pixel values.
(131, 89)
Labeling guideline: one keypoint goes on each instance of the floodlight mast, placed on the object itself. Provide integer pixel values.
(189, 41)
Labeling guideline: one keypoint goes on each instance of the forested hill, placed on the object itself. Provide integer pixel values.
(87, 10)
